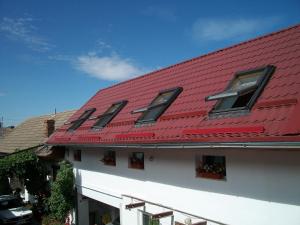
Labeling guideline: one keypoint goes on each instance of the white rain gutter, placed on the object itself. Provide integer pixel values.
(239, 145)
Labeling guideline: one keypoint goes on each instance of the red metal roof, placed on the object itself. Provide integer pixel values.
(274, 117)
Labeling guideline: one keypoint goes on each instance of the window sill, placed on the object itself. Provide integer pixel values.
(209, 175)
(136, 166)
(109, 163)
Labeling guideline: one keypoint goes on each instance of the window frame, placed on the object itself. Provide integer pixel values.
(149, 218)
(81, 119)
(202, 171)
(109, 158)
(137, 165)
(267, 72)
(164, 106)
(122, 103)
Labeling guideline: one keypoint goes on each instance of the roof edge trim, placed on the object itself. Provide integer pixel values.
(233, 145)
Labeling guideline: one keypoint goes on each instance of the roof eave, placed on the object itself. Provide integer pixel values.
(199, 145)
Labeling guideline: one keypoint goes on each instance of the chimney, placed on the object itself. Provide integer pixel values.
(50, 127)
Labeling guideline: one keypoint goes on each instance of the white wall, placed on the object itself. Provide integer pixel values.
(261, 187)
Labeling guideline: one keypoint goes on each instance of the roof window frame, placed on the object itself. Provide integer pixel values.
(176, 91)
(112, 115)
(258, 87)
(75, 124)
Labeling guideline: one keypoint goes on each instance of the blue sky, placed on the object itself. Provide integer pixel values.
(57, 54)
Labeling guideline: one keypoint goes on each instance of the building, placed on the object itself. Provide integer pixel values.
(32, 134)
(212, 140)
(3, 132)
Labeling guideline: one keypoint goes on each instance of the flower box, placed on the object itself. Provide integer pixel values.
(210, 175)
(136, 165)
(109, 161)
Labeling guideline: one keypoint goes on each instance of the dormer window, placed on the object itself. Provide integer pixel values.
(109, 114)
(84, 116)
(157, 107)
(242, 91)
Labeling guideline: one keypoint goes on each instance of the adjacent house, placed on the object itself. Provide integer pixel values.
(212, 140)
(32, 134)
(3, 132)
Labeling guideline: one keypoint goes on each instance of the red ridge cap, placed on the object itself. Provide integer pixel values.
(182, 115)
(135, 135)
(257, 129)
(280, 102)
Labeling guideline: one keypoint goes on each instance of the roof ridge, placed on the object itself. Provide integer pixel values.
(45, 115)
(205, 55)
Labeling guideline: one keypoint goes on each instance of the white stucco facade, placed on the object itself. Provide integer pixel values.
(261, 186)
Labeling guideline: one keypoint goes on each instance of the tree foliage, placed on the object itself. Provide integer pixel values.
(61, 200)
(26, 166)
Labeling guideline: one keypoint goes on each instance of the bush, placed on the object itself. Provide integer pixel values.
(61, 200)
(49, 220)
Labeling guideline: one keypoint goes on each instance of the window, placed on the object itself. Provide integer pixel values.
(158, 105)
(242, 91)
(136, 160)
(213, 167)
(84, 116)
(166, 217)
(106, 117)
(147, 220)
(77, 155)
(109, 158)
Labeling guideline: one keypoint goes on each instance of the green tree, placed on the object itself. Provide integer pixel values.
(26, 166)
(61, 200)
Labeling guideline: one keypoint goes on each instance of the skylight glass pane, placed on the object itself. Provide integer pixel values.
(83, 117)
(158, 105)
(153, 113)
(113, 108)
(226, 103)
(109, 114)
(245, 81)
(243, 90)
(162, 98)
(102, 121)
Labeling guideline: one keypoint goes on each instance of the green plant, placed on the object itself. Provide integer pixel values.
(26, 166)
(61, 200)
(49, 220)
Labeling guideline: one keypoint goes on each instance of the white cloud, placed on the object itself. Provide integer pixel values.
(23, 30)
(2, 94)
(225, 29)
(112, 68)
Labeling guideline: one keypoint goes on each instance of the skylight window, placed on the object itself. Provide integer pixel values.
(242, 91)
(158, 105)
(110, 113)
(84, 116)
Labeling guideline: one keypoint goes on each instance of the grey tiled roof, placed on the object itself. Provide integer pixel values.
(31, 133)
